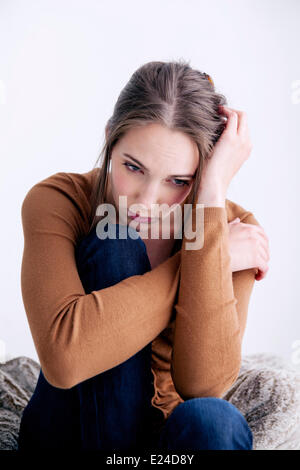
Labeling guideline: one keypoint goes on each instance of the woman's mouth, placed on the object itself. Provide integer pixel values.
(140, 219)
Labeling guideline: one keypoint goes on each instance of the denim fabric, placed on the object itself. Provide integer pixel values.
(205, 423)
(112, 410)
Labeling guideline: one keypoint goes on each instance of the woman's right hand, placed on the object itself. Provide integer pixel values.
(228, 155)
(248, 248)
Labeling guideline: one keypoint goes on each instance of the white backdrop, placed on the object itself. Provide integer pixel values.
(62, 66)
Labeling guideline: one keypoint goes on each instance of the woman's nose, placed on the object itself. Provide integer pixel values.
(147, 199)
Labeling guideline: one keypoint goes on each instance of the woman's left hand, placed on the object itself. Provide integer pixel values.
(248, 247)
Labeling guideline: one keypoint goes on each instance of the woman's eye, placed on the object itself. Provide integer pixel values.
(132, 166)
(136, 168)
(181, 181)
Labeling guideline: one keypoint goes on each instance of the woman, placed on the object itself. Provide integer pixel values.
(138, 337)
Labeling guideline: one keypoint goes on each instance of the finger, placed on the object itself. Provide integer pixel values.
(265, 247)
(264, 252)
(235, 221)
(258, 229)
(261, 274)
(242, 124)
(263, 265)
(232, 119)
(265, 241)
(242, 121)
(243, 128)
(261, 232)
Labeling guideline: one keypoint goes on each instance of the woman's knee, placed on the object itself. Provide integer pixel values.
(111, 259)
(212, 412)
(213, 423)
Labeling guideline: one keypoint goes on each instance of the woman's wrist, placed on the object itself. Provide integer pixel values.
(211, 198)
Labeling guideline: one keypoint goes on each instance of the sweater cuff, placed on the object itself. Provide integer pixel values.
(214, 214)
(209, 215)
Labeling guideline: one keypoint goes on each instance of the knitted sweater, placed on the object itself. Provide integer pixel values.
(191, 307)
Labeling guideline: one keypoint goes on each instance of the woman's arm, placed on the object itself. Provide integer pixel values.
(78, 336)
(211, 312)
(211, 309)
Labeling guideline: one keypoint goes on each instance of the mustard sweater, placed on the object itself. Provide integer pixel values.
(191, 307)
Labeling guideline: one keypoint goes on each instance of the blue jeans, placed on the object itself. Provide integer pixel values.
(112, 410)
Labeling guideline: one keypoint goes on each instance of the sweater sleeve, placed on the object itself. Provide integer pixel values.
(211, 311)
(78, 335)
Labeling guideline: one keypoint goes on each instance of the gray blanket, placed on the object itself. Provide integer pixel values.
(267, 392)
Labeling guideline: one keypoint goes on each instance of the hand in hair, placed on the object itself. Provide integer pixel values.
(228, 155)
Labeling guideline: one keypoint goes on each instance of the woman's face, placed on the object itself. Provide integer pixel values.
(162, 172)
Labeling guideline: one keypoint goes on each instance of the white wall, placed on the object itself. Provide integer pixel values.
(62, 66)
